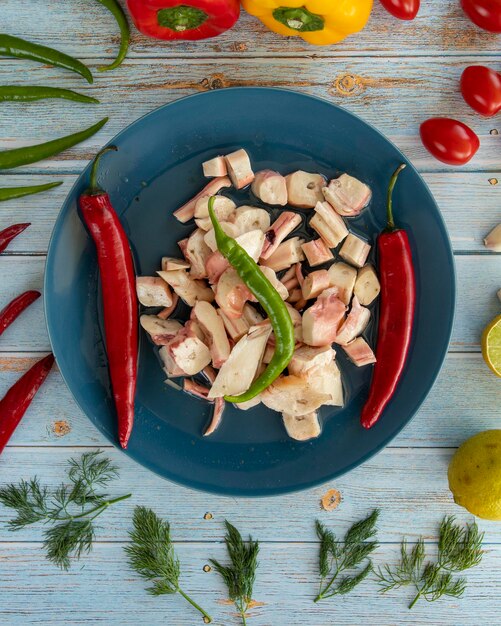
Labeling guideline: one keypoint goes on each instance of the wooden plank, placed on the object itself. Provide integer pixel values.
(398, 480)
(446, 419)
(394, 96)
(478, 282)
(468, 201)
(86, 30)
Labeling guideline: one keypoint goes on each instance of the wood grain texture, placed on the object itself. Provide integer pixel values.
(469, 203)
(395, 95)
(286, 584)
(478, 282)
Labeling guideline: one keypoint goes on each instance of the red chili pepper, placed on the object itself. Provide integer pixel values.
(398, 297)
(8, 234)
(15, 402)
(184, 19)
(119, 297)
(16, 307)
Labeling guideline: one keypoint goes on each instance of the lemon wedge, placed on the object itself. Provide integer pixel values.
(491, 345)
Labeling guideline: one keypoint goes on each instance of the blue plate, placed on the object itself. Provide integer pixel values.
(157, 168)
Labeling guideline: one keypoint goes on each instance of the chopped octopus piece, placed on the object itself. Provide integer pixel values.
(355, 323)
(186, 287)
(214, 168)
(223, 208)
(197, 252)
(360, 352)
(182, 246)
(347, 195)
(248, 218)
(287, 253)
(213, 328)
(343, 277)
(170, 264)
(219, 404)
(306, 358)
(367, 285)
(290, 284)
(170, 366)
(304, 189)
(160, 330)
(297, 322)
(295, 295)
(252, 316)
(292, 395)
(355, 250)
(322, 320)
(272, 277)
(239, 168)
(187, 211)
(236, 327)
(316, 252)
(232, 293)
(169, 310)
(188, 351)
(300, 304)
(252, 242)
(315, 283)
(328, 224)
(153, 291)
(281, 228)
(493, 239)
(237, 374)
(215, 265)
(210, 237)
(195, 389)
(290, 273)
(249, 404)
(270, 187)
(327, 379)
(302, 427)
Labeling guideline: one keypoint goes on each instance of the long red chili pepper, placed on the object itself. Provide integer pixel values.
(14, 404)
(9, 233)
(119, 297)
(398, 297)
(16, 307)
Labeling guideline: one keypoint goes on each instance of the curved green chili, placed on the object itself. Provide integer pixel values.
(32, 154)
(10, 193)
(11, 46)
(119, 15)
(17, 93)
(270, 300)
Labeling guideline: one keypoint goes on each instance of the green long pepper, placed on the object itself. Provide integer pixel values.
(16, 47)
(118, 13)
(268, 298)
(10, 193)
(18, 93)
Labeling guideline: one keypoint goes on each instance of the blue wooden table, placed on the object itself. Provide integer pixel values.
(394, 74)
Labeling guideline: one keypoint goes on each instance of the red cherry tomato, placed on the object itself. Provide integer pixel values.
(484, 13)
(403, 9)
(481, 88)
(448, 140)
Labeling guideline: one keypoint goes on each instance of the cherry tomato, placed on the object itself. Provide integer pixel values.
(484, 13)
(403, 9)
(481, 88)
(448, 140)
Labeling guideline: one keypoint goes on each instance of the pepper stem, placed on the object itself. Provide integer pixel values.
(94, 187)
(181, 18)
(299, 19)
(389, 203)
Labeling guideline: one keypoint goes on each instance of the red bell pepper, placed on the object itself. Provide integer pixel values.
(184, 19)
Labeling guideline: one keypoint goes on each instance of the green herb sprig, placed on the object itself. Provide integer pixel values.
(459, 548)
(70, 509)
(336, 557)
(151, 554)
(240, 576)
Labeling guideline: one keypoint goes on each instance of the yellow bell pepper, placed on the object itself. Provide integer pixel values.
(320, 22)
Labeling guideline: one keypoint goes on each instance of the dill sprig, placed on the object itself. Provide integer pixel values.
(240, 576)
(70, 509)
(459, 548)
(336, 557)
(151, 554)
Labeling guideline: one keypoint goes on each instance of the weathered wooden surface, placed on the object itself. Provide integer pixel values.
(393, 74)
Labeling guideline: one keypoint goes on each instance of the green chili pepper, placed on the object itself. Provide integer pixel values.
(270, 300)
(119, 15)
(20, 48)
(16, 93)
(9, 193)
(32, 154)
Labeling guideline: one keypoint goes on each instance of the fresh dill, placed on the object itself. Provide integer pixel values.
(240, 576)
(336, 557)
(70, 509)
(459, 548)
(151, 554)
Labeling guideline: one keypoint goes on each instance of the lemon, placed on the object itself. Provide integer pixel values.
(491, 345)
(475, 475)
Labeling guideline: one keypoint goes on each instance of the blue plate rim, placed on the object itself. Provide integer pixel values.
(277, 490)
